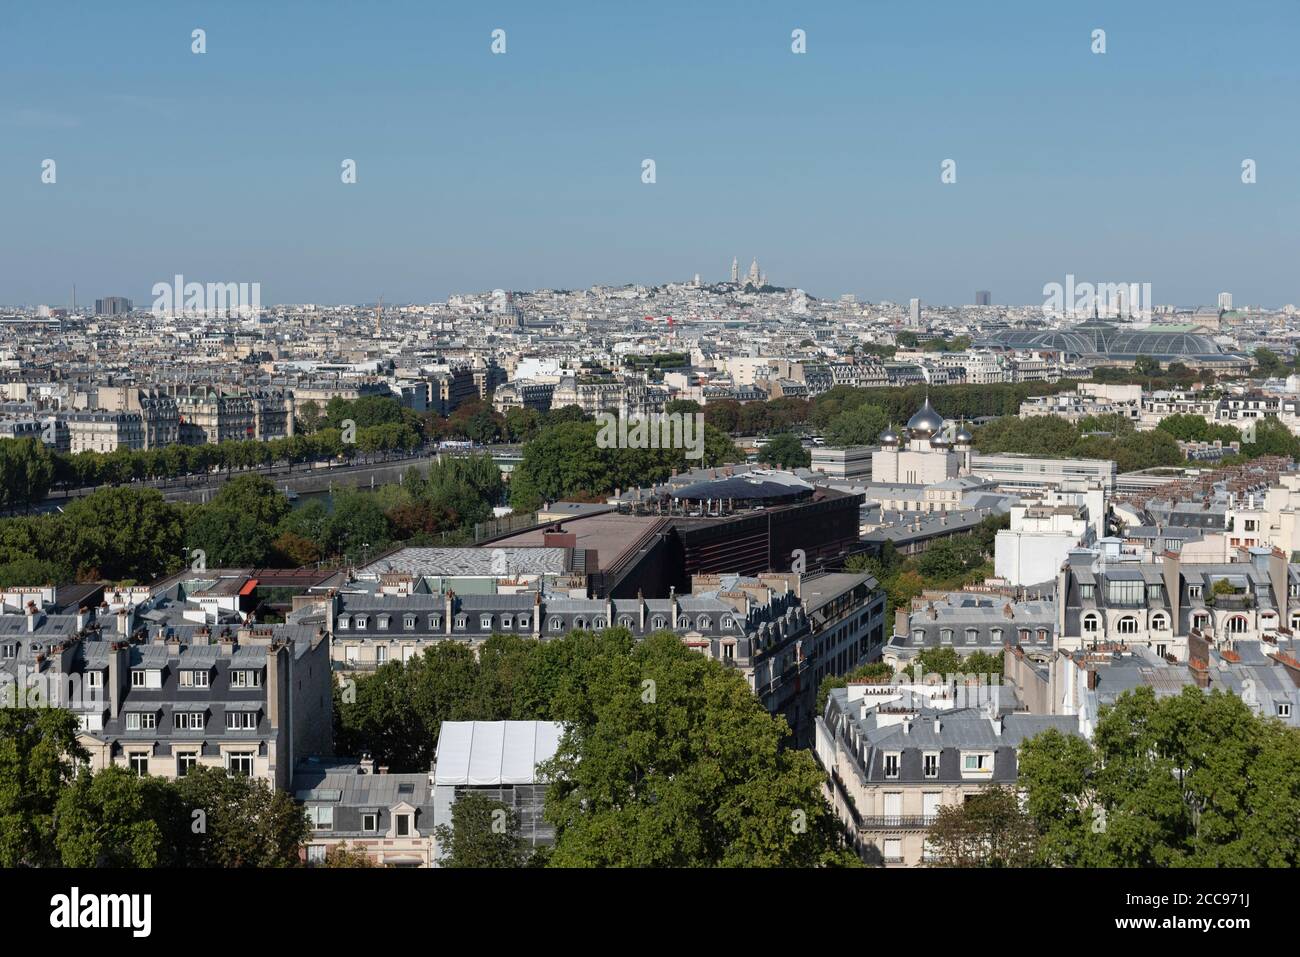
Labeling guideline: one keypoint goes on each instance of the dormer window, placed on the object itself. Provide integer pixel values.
(524, 621)
(246, 679)
(461, 620)
(580, 622)
(506, 621)
(657, 621)
(557, 624)
(141, 721)
(703, 623)
(194, 679)
(383, 622)
(241, 720)
(361, 621)
(435, 621)
(343, 622)
(485, 621)
(8, 651)
(408, 622)
(187, 720)
(1193, 591)
(976, 762)
(728, 622)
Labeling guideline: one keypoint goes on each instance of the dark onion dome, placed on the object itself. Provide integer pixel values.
(926, 422)
(963, 437)
(889, 437)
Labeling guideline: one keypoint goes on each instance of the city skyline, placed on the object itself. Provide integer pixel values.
(519, 170)
(980, 298)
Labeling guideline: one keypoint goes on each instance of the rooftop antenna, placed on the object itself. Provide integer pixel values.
(379, 317)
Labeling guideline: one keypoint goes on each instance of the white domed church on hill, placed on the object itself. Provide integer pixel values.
(922, 455)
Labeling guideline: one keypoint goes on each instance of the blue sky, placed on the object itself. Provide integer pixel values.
(477, 171)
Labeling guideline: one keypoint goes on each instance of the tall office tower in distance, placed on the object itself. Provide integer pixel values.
(1225, 300)
(735, 269)
(915, 312)
(983, 298)
(112, 306)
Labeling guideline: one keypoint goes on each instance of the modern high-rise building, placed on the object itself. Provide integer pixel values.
(112, 306)
(983, 298)
(735, 269)
(1225, 300)
(914, 308)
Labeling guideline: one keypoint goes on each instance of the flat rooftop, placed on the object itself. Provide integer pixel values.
(610, 535)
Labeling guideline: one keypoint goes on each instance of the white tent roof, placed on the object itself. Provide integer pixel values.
(492, 753)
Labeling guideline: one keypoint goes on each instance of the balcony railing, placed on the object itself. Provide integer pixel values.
(357, 665)
(897, 821)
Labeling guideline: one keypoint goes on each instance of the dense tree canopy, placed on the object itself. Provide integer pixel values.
(1194, 779)
(785, 451)
(1052, 435)
(670, 758)
(483, 833)
(566, 460)
(38, 756)
(989, 829)
(54, 812)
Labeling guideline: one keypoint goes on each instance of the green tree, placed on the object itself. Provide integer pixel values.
(483, 833)
(310, 417)
(122, 533)
(861, 425)
(111, 819)
(1146, 366)
(239, 821)
(27, 470)
(988, 829)
(357, 528)
(1272, 438)
(688, 770)
(785, 451)
(873, 671)
(39, 752)
(1193, 779)
(228, 538)
(1268, 362)
(1039, 435)
(341, 855)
